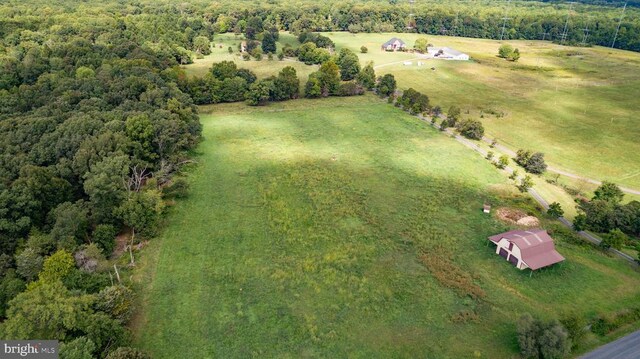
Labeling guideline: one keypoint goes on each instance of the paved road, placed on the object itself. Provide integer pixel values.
(624, 348)
(586, 235)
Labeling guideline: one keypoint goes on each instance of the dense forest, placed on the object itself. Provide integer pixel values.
(96, 119)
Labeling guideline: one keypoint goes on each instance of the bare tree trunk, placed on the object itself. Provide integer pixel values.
(117, 274)
(133, 236)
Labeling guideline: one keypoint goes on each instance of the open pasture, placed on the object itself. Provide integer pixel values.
(577, 105)
(348, 230)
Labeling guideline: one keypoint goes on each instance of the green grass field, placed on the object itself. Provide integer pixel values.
(262, 69)
(329, 228)
(577, 105)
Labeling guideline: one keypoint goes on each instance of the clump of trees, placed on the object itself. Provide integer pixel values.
(531, 162)
(471, 129)
(542, 339)
(413, 101)
(453, 116)
(507, 51)
(317, 39)
(310, 54)
(285, 86)
(605, 213)
(386, 85)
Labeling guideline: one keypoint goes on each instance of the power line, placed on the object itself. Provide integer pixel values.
(615, 37)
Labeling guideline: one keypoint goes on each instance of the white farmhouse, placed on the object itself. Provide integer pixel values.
(447, 53)
(524, 249)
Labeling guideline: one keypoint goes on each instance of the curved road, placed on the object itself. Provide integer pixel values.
(623, 348)
(510, 152)
(586, 235)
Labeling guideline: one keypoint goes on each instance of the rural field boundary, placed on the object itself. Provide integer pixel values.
(512, 153)
(590, 237)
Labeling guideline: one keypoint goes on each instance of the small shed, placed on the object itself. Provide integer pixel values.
(394, 44)
(533, 248)
(243, 46)
(486, 208)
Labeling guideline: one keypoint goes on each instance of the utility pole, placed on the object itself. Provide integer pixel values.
(615, 37)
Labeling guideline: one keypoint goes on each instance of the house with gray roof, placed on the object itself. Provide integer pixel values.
(394, 44)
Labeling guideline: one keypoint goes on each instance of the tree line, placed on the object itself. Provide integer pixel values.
(93, 129)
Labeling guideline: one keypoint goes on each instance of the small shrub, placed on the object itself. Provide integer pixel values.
(503, 161)
(555, 210)
(489, 155)
(363, 49)
(465, 316)
(350, 88)
(525, 184)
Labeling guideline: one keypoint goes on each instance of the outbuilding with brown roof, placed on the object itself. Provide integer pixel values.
(532, 248)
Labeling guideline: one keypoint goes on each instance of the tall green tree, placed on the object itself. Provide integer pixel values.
(329, 77)
(367, 77)
(349, 64)
(386, 85)
(286, 85)
(46, 311)
(421, 44)
(268, 43)
(609, 192)
(259, 93)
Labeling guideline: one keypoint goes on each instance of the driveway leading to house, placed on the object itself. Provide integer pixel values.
(623, 348)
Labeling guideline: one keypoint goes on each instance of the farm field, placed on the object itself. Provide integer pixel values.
(577, 105)
(331, 233)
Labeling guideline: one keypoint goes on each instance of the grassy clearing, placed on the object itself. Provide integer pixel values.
(262, 69)
(330, 233)
(578, 105)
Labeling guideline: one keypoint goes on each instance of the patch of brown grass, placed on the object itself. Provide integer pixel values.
(451, 276)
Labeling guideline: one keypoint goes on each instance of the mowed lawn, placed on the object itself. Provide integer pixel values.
(577, 105)
(328, 229)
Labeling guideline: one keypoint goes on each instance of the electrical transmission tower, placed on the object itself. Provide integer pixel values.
(615, 37)
(411, 22)
(565, 31)
(586, 33)
(504, 19)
